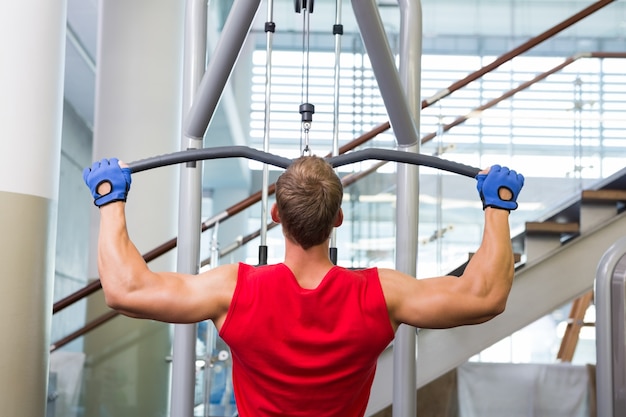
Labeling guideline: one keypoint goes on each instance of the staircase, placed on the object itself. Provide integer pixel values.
(561, 254)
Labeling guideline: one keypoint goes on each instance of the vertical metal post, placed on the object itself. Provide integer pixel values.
(405, 344)
(402, 118)
(407, 208)
(618, 336)
(610, 287)
(211, 334)
(189, 212)
(269, 36)
(222, 62)
(306, 109)
(337, 32)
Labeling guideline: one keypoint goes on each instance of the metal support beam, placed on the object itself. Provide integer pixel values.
(407, 207)
(189, 212)
(221, 64)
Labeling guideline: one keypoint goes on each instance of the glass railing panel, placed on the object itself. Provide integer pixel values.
(122, 370)
(214, 394)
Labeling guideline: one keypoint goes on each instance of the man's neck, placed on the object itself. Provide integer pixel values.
(308, 265)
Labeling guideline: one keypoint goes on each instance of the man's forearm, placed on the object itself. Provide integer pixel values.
(119, 262)
(492, 267)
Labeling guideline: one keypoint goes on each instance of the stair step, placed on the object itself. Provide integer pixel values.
(544, 237)
(603, 196)
(551, 228)
(599, 206)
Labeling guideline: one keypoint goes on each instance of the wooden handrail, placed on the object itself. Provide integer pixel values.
(529, 44)
(85, 329)
(172, 243)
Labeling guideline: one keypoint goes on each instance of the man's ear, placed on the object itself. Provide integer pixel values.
(339, 219)
(274, 213)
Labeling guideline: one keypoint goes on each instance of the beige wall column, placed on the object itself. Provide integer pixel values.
(32, 52)
(137, 115)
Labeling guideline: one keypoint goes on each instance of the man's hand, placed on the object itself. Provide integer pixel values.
(499, 187)
(108, 180)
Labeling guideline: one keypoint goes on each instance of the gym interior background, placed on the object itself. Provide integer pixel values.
(555, 113)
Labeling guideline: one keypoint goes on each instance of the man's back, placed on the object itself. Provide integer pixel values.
(305, 352)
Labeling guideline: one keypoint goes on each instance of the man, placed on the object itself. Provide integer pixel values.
(305, 334)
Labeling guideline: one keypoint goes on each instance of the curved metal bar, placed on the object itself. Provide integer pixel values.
(218, 152)
(406, 157)
(282, 162)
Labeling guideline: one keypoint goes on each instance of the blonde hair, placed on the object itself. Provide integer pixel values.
(308, 198)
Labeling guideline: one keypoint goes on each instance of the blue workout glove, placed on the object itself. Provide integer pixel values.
(107, 170)
(489, 185)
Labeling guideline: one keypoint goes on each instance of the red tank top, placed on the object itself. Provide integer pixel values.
(299, 352)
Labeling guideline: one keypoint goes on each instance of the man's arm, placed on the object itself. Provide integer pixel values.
(130, 287)
(482, 291)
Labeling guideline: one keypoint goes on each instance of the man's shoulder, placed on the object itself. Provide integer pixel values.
(370, 271)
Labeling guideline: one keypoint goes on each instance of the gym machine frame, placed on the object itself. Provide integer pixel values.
(201, 98)
(610, 292)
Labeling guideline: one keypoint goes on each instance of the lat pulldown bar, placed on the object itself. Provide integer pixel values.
(282, 162)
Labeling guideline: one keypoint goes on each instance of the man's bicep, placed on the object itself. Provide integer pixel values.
(208, 295)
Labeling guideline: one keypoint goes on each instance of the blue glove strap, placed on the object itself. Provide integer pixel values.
(107, 170)
(489, 186)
